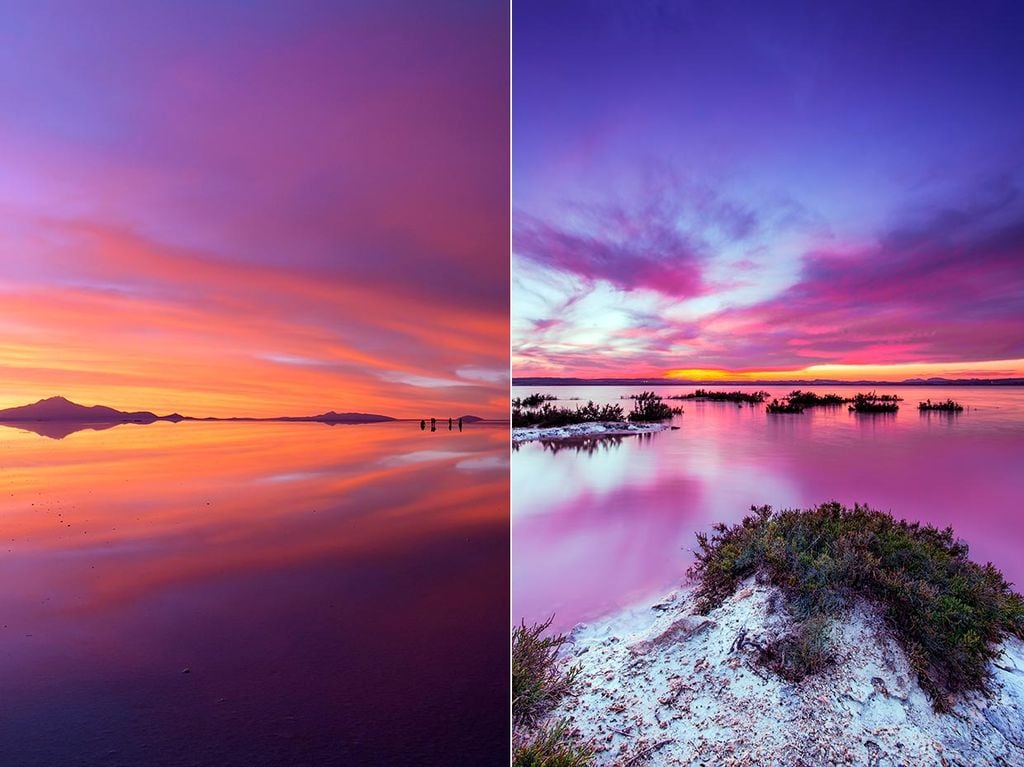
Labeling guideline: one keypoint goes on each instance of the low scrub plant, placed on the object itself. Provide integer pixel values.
(949, 406)
(948, 613)
(548, 415)
(810, 399)
(783, 406)
(539, 682)
(648, 406)
(754, 397)
(550, 746)
(875, 403)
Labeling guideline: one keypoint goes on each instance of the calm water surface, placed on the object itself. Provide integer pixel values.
(601, 525)
(338, 595)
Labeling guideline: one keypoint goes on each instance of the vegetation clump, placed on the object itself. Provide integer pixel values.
(531, 412)
(875, 403)
(539, 682)
(550, 746)
(947, 613)
(949, 406)
(648, 406)
(725, 396)
(533, 400)
(783, 406)
(810, 399)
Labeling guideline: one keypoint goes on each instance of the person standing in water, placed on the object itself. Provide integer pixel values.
(423, 425)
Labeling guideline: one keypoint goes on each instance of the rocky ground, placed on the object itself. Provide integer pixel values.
(578, 430)
(661, 685)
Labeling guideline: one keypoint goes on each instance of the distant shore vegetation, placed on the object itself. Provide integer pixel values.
(948, 406)
(752, 397)
(533, 400)
(946, 612)
(537, 411)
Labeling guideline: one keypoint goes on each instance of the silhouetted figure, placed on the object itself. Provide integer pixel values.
(449, 423)
(423, 425)
(460, 424)
(433, 424)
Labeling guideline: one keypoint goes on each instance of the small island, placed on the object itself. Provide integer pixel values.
(875, 403)
(708, 395)
(949, 406)
(784, 406)
(535, 418)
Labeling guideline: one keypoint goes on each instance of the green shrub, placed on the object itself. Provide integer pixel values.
(538, 680)
(948, 613)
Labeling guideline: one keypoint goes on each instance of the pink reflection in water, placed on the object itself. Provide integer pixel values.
(310, 578)
(601, 527)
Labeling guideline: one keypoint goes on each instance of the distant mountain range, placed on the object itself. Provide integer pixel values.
(57, 417)
(541, 381)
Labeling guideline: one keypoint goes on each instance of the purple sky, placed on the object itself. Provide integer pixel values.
(264, 208)
(768, 187)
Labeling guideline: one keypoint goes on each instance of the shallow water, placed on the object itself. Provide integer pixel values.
(338, 595)
(600, 525)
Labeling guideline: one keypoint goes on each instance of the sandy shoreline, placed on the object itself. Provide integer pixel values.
(667, 686)
(579, 430)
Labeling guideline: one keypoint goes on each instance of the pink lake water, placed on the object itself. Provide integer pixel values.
(253, 594)
(601, 525)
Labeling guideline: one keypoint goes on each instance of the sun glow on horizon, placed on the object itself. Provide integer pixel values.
(892, 372)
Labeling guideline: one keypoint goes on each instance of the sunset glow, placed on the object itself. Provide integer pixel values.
(716, 192)
(215, 209)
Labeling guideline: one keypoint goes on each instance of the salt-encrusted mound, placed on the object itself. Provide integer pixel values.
(586, 429)
(662, 685)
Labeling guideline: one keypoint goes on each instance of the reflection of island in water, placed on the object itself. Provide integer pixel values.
(588, 444)
(57, 417)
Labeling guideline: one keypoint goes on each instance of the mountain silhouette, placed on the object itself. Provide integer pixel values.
(57, 417)
(62, 409)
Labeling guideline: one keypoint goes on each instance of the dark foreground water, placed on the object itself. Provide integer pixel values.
(254, 594)
(603, 524)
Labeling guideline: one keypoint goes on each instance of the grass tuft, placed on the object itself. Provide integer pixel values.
(539, 682)
(550, 746)
(948, 613)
